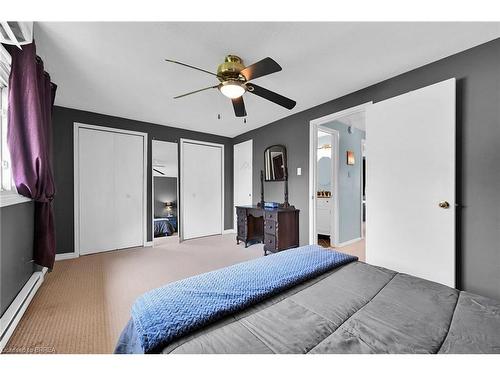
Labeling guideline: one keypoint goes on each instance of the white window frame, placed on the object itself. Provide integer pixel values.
(8, 192)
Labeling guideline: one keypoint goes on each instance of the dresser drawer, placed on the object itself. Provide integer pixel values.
(242, 230)
(269, 242)
(271, 215)
(270, 227)
(242, 220)
(240, 212)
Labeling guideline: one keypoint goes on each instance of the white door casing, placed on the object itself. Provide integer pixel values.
(202, 189)
(410, 158)
(242, 175)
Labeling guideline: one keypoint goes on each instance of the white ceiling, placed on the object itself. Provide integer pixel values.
(118, 68)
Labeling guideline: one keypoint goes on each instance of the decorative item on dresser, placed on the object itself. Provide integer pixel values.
(277, 228)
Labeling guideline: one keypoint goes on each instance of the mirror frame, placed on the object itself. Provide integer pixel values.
(285, 164)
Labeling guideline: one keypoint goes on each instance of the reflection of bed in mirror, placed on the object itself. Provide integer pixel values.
(165, 226)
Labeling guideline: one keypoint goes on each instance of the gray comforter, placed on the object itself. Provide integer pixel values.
(357, 308)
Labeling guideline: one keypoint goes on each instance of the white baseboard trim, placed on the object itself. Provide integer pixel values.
(349, 242)
(65, 256)
(229, 231)
(148, 244)
(12, 316)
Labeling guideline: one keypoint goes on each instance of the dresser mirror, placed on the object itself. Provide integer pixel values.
(275, 163)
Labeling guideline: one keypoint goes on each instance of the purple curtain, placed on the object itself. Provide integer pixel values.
(29, 137)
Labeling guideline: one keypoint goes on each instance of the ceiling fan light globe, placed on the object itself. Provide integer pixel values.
(232, 90)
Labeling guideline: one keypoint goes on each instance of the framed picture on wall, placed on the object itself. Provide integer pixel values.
(350, 158)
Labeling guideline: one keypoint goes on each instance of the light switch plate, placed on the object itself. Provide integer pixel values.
(299, 171)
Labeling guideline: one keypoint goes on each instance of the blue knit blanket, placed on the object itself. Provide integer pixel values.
(164, 314)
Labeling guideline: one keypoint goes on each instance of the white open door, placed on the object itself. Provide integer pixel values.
(201, 189)
(410, 183)
(242, 175)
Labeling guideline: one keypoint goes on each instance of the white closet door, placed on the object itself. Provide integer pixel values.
(201, 196)
(242, 175)
(129, 183)
(111, 190)
(410, 157)
(96, 191)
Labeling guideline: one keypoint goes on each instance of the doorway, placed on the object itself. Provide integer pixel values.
(326, 185)
(165, 168)
(336, 181)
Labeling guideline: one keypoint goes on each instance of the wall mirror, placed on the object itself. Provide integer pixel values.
(275, 163)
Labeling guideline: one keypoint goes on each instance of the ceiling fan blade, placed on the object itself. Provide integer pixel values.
(192, 67)
(194, 92)
(270, 95)
(261, 68)
(239, 107)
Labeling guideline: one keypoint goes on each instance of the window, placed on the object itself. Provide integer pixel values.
(8, 193)
(6, 175)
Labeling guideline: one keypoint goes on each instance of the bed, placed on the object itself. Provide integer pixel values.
(352, 307)
(165, 226)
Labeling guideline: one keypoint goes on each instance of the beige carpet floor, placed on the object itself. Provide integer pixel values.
(84, 303)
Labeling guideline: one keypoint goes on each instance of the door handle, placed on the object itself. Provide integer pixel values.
(444, 204)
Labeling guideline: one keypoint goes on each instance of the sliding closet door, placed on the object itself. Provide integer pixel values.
(201, 189)
(110, 199)
(96, 188)
(129, 182)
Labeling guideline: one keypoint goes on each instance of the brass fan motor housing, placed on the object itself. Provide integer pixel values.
(230, 69)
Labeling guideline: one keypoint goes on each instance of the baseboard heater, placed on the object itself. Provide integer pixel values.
(11, 317)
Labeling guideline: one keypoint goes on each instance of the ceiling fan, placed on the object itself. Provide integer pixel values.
(234, 80)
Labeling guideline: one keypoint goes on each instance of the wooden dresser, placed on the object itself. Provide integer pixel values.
(277, 228)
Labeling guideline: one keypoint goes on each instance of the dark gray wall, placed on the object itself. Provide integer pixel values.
(63, 119)
(165, 191)
(478, 157)
(16, 250)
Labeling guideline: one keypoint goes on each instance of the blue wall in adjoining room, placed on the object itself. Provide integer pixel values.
(349, 180)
